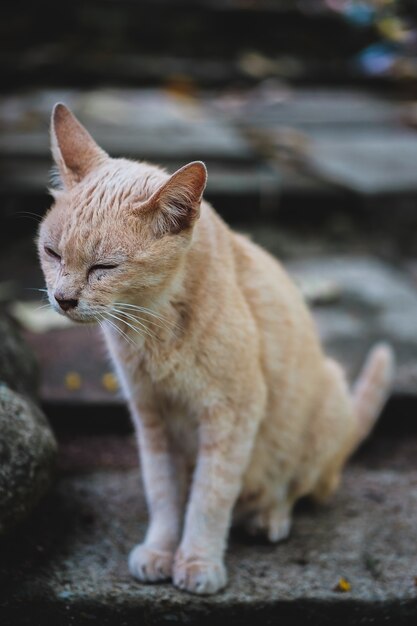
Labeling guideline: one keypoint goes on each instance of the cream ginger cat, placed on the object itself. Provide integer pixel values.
(238, 412)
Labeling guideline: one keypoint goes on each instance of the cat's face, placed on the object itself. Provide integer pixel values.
(117, 231)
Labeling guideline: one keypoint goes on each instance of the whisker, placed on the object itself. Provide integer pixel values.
(147, 311)
(135, 329)
(142, 309)
(34, 216)
(118, 330)
(137, 319)
(36, 289)
(43, 306)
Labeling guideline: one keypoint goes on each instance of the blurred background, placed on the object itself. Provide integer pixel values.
(305, 112)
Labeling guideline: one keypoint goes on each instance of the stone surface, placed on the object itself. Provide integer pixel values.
(275, 104)
(27, 453)
(27, 445)
(76, 350)
(342, 139)
(158, 125)
(369, 162)
(150, 124)
(371, 302)
(18, 367)
(70, 562)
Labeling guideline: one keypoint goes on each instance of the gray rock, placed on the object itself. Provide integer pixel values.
(27, 453)
(27, 445)
(18, 367)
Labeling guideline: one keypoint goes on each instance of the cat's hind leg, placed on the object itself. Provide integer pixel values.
(273, 523)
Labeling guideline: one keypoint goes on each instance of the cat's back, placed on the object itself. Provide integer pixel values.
(262, 276)
(285, 324)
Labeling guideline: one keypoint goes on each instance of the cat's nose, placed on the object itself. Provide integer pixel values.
(65, 304)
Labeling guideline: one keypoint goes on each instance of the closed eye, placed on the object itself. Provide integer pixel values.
(102, 266)
(52, 253)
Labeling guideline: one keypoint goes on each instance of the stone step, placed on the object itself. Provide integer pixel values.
(264, 147)
(145, 124)
(348, 139)
(68, 564)
(149, 124)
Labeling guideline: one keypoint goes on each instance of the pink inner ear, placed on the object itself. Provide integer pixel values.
(74, 150)
(176, 205)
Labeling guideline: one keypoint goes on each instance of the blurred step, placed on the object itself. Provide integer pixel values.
(212, 43)
(361, 301)
(153, 125)
(298, 151)
(346, 140)
(145, 124)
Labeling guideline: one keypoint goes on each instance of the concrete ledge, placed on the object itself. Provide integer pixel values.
(68, 566)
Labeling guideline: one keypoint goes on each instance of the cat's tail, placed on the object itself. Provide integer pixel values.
(372, 388)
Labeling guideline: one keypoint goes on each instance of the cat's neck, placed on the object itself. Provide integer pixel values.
(166, 319)
(175, 311)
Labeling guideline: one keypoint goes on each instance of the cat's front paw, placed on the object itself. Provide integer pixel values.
(197, 575)
(150, 565)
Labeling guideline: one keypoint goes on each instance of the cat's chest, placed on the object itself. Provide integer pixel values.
(162, 367)
(170, 383)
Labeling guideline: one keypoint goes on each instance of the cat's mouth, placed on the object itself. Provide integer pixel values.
(74, 313)
(78, 318)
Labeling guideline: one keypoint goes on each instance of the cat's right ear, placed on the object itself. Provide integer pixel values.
(74, 151)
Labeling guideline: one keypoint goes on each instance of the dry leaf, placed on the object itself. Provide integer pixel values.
(73, 381)
(343, 585)
(110, 382)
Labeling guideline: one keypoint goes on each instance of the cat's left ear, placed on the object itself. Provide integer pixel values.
(74, 150)
(175, 206)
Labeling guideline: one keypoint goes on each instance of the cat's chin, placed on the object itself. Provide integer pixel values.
(77, 319)
(82, 320)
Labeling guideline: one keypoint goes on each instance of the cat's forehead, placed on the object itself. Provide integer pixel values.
(118, 182)
(103, 193)
(97, 210)
(96, 228)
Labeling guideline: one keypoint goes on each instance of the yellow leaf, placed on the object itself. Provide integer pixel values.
(343, 585)
(73, 381)
(109, 382)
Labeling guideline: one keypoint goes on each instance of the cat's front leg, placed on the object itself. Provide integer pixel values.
(225, 443)
(152, 560)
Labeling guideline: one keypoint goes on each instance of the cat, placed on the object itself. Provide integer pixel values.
(238, 412)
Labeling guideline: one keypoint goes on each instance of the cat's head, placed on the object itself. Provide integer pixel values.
(117, 229)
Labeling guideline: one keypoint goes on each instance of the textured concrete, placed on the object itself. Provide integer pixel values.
(70, 561)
